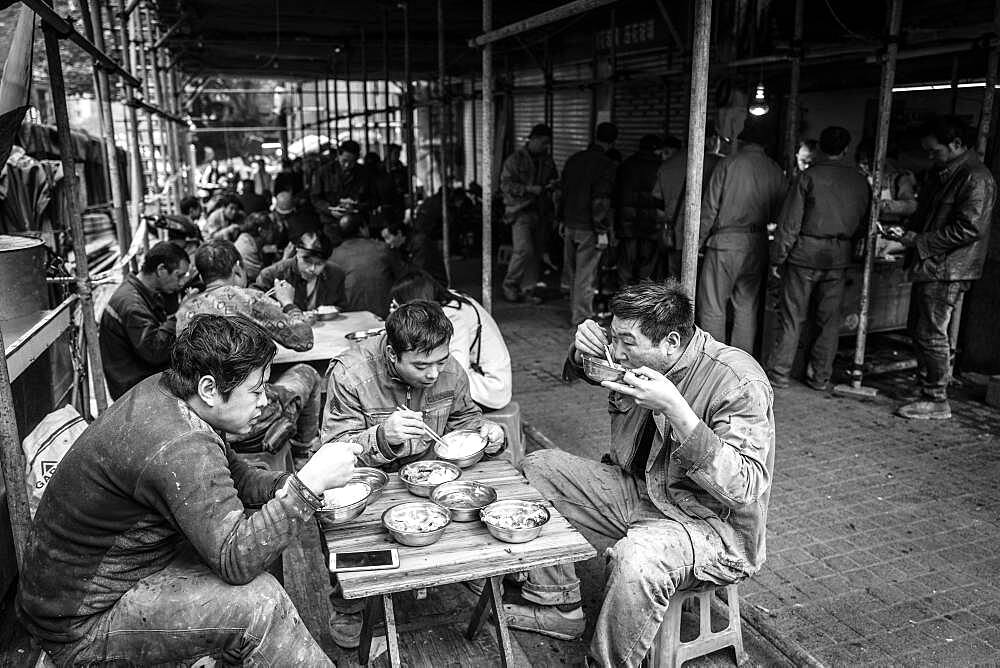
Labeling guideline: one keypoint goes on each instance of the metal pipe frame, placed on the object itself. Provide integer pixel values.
(795, 78)
(385, 78)
(411, 148)
(141, 19)
(64, 30)
(487, 158)
(364, 85)
(329, 118)
(335, 139)
(566, 11)
(878, 178)
(989, 92)
(696, 144)
(443, 135)
(347, 80)
(132, 123)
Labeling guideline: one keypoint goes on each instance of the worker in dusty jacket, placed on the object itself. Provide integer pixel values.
(743, 196)
(819, 228)
(946, 242)
(585, 209)
(526, 181)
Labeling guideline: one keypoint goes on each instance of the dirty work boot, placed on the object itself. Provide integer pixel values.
(345, 628)
(778, 382)
(925, 410)
(511, 295)
(546, 620)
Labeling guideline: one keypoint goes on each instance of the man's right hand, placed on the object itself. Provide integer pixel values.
(402, 426)
(590, 339)
(331, 466)
(284, 292)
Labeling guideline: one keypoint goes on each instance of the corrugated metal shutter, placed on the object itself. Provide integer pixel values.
(472, 134)
(640, 109)
(529, 110)
(571, 123)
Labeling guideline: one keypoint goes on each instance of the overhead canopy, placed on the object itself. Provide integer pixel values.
(300, 38)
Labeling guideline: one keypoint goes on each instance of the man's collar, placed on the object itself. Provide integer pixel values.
(949, 168)
(694, 348)
(392, 376)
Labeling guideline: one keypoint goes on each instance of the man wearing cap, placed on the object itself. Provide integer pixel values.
(637, 222)
(743, 196)
(585, 209)
(526, 179)
(317, 281)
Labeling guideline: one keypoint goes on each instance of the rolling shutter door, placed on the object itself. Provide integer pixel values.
(640, 109)
(571, 123)
(529, 106)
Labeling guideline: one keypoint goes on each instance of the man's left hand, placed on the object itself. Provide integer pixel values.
(602, 241)
(493, 433)
(651, 389)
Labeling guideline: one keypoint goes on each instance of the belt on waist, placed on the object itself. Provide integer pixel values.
(838, 237)
(741, 229)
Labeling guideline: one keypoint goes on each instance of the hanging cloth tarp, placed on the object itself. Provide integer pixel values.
(25, 194)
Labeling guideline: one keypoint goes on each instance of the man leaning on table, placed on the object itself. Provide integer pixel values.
(686, 493)
(384, 393)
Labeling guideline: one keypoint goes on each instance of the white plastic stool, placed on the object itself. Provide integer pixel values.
(509, 417)
(668, 651)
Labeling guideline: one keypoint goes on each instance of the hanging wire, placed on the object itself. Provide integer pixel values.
(841, 23)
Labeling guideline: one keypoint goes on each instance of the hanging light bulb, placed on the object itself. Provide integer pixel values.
(758, 107)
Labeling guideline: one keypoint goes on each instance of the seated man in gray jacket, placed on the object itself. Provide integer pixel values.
(686, 492)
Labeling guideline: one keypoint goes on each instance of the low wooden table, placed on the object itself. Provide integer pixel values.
(328, 337)
(465, 552)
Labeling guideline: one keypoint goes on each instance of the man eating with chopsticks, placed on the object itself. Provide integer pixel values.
(393, 394)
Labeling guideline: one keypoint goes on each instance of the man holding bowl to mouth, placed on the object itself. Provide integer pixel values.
(686, 491)
(384, 394)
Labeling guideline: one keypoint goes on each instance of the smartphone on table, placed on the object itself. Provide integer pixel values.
(369, 560)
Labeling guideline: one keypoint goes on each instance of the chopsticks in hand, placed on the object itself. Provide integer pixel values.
(430, 432)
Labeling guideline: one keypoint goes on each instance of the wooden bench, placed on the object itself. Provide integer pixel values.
(466, 552)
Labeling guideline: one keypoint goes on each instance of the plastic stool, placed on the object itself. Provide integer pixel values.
(504, 251)
(509, 417)
(669, 652)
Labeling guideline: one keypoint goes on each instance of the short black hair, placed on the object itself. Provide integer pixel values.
(541, 130)
(316, 244)
(226, 200)
(650, 143)
(946, 129)
(419, 326)
(834, 139)
(349, 146)
(350, 225)
(660, 308)
(255, 222)
(189, 204)
(170, 255)
(216, 259)
(673, 142)
(606, 132)
(228, 348)
(421, 286)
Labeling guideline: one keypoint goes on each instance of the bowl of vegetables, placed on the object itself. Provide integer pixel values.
(416, 523)
(515, 521)
(422, 477)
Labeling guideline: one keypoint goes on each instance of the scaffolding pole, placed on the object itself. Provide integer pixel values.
(347, 80)
(335, 140)
(329, 116)
(696, 144)
(487, 157)
(795, 77)
(385, 79)
(989, 92)
(132, 121)
(566, 11)
(411, 149)
(364, 85)
(443, 118)
(881, 141)
(67, 156)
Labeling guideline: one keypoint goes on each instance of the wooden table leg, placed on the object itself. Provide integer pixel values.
(479, 613)
(368, 621)
(392, 640)
(500, 621)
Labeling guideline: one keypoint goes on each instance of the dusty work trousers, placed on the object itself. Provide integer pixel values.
(735, 276)
(638, 259)
(653, 558)
(934, 305)
(529, 239)
(581, 257)
(186, 612)
(798, 285)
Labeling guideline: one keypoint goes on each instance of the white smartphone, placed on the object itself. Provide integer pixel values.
(370, 560)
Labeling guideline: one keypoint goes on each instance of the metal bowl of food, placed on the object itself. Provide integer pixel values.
(416, 523)
(343, 504)
(462, 447)
(598, 369)
(514, 521)
(327, 312)
(375, 478)
(422, 477)
(464, 498)
(362, 334)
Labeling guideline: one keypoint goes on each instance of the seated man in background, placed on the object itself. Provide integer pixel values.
(293, 399)
(250, 244)
(136, 332)
(142, 552)
(315, 280)
(687, 489)
(370, 267)
(384, 393)
(477, 344)
(223, 222)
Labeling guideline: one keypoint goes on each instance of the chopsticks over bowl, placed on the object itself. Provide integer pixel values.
(430, 432)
